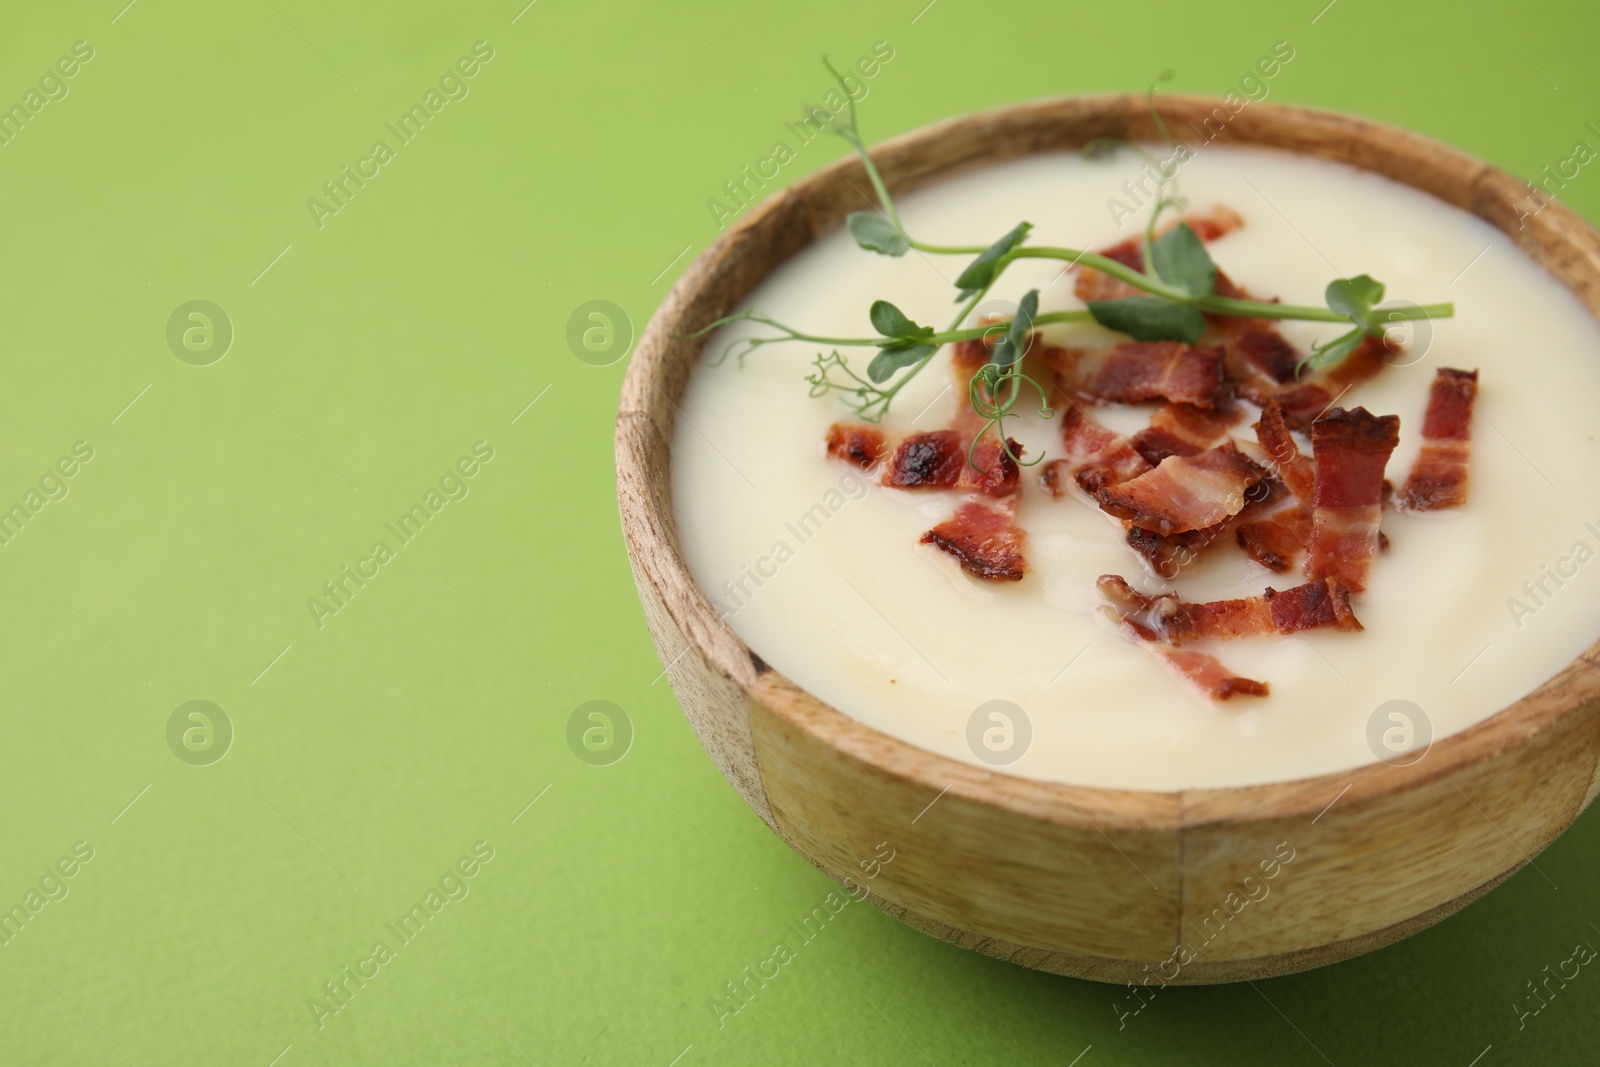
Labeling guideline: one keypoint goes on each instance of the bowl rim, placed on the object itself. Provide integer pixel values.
(1558, 239)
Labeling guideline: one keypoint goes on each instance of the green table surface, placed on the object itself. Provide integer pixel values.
(400, 734)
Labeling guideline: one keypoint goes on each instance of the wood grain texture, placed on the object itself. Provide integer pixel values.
(1111, 885)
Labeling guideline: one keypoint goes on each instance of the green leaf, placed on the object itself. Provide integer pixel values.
(1333, 351)
(876, 234)
(1355, 297)
(885, 363)
(888, 319)
(1149, 318)
(892, 322)
(1180, 259)
(1011, 347)
(980, 272)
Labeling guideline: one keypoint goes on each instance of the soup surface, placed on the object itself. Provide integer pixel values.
(818, 567)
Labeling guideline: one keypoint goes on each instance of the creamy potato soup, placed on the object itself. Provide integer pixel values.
(821, 568)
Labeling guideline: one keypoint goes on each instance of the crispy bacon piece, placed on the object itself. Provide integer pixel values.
(931, 460)
(937, 459)
(863, 446)
(1136, 371)
(1449, 416)
(1214, 223)
(1176, 430)
(1310, 606)
(1263, 351)
(997, 474)
(1051, 477)
(1167, 555)
(1184, 492)
(1207, 674)
(1278, 539)
(1200, 670)
(984, 539)
(1185, 430)
(1438, 479)
(1097, 456)
(1351, 449)
(1279, 445)
(1093, 285)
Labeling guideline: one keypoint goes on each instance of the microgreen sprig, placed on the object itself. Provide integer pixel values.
(1179, 282)
(994, 390)
(1355, 298)
(880, 232)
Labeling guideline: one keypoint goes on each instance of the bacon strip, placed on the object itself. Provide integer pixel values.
(984, 539)
(1277, 540)
(1279, 445)
(863, 446)
(1184, 492)
(1204, 672)
(1136, 371)
(1167, 555)
(1116, 460)
(1096, 456)
(1094, 285)
(1310, 606)
(1260, 354)
(1351, 449)
(1438, 479)
(1207, 674)
(997, 474)
(930, 460)
(1214, 223)
(1185, 430)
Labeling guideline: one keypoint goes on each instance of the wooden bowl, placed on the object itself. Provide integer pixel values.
(1104, 883)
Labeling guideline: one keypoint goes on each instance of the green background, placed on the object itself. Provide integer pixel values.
(374, 751)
